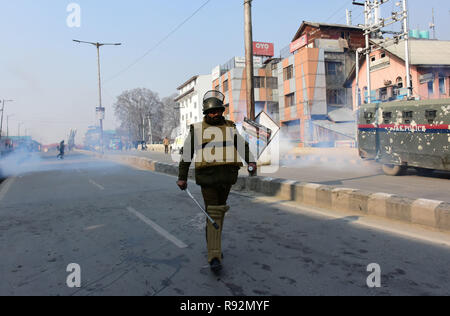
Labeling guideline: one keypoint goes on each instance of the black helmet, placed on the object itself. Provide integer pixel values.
(213, 100)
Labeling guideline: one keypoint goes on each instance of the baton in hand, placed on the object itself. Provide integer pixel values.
(216, 226)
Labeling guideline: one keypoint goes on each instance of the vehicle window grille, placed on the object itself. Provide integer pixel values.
(387, 117)
(408, 116)
(431, 115)
(368, 116)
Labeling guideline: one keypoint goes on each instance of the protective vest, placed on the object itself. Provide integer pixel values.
(214, 145)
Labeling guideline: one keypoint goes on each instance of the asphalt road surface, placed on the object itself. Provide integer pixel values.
(133, 232)
(342, 172)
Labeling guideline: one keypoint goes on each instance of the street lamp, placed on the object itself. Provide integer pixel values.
(3, 110)
(100, 109)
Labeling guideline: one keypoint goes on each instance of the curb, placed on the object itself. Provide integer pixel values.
(430, 213)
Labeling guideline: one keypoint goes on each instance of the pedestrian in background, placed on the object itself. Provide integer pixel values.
(166, 144)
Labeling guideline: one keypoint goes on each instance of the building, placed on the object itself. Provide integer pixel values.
(429, 69)
(231, 80)
(315, 107)
(190, 100)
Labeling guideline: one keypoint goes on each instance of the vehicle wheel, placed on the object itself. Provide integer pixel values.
(424, 172)
(394, 170)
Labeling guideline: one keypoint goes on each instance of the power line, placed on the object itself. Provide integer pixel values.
(337, 11)
(158, 44)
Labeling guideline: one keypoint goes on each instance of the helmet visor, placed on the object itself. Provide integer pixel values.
(214, 94)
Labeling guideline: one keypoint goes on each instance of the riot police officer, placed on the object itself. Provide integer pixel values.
(217, 146)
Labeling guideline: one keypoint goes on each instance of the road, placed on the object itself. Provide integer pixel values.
(339, 172)
(133, 232)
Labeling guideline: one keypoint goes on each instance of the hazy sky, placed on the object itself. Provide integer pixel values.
(54, 81)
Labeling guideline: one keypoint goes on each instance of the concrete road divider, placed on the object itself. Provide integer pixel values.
(429, 213)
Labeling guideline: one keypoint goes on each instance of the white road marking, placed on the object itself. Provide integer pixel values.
(96, 184)
(158, 228)
(6, 186)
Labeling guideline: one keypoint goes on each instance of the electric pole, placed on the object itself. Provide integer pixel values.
(7, 124)
(374, 25)
(3, 110)
(249, 59)
(100, 110)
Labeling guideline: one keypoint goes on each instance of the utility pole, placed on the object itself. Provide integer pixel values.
(3, 110)
(433, 24)
(406, 36)
(249, 59)
(150, 128)
(18, 129)
(7, 124)
(100, 109)
(348, 15)
(374, 25)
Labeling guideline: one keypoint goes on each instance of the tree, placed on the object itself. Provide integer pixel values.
(137, 110)
(171, 118)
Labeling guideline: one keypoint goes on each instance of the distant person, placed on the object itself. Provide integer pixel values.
(61, 150)
(166, 144)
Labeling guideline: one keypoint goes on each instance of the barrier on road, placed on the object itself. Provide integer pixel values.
(429, 213)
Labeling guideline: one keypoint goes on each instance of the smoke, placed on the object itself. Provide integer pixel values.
(19, 162)
(22, 162)
(323, 157)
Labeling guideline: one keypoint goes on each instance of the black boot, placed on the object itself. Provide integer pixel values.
(215, 265)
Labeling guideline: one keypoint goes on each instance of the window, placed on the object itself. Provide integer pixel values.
(383, 55)
(290, 99)
(260, 82)
(190, 115)
(430, 115)
(369, 116)
(288, 72)
(336, 96)
(195, 105)
(373, 58)
(430, 87)
(272, 82)
(333, 68)
(182, 117)
(408, 116)
(442, 85)
(225, 86)
(399, 82)
(387, 116)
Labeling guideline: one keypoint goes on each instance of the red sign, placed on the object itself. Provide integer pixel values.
(302, 41)
(263, 49)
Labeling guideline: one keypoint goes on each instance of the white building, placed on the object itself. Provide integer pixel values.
(190, 100)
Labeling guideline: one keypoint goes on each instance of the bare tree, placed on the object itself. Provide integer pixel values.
(137, 110)
(171, 118)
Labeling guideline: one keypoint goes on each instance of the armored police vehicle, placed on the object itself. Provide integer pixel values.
(404, 134)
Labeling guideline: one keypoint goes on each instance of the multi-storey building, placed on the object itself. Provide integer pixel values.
(429, 69)
(230, 79)
(190, 100)
(315, 108)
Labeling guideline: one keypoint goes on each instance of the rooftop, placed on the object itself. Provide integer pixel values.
(319, 25)
(187, 82)
(423, 52)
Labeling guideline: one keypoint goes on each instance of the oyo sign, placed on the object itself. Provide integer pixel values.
(263, 49)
